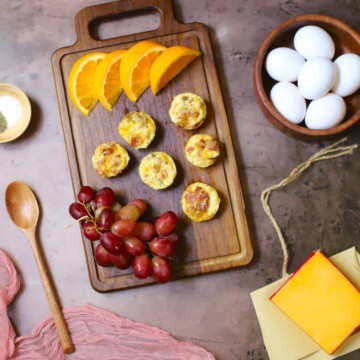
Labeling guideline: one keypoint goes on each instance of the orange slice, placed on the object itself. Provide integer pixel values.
(169, 64)
(135, 67)
(107, 79)
(81, 85)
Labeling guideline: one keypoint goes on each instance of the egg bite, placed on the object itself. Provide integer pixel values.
(157, 170)
(188, 111)
(200, 202)
(110, 159)
(137, 129)
(202, 150)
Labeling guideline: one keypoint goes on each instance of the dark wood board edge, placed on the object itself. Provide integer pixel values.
(236, 196)
(230, 163)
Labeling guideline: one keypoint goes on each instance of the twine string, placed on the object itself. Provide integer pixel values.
(331, 152)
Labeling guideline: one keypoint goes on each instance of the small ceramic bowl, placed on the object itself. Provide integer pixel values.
(21, 125)
(346, 40)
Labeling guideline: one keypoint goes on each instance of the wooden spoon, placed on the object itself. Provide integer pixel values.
(24, 212)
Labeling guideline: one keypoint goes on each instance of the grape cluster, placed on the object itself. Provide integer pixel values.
(123, 239)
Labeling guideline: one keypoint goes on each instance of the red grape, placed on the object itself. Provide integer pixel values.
(162, 247)
(166, 223)
(134, 246)
(99, 210)
(86, 194)
(113, 244)
(141, 204)
(161, 270)
(121, 261)
(77, 211)
(90, 232)
(102, 257)
(124, 228)
(130, 212)
(145, 231)
(106, 219)
(84, 222)
(142, 266)
(104, 197)
(173, 237)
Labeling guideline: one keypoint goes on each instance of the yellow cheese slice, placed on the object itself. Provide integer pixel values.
(321, 301)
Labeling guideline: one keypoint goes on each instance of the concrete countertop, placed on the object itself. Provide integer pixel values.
(320, 210)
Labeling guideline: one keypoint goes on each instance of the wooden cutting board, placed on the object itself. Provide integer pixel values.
(218, 244)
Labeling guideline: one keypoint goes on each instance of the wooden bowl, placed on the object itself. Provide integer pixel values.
(346, 40)
(21, 125)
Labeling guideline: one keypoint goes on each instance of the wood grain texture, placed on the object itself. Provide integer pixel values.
(221, 243)
(346, 40)
(24, 211)
(61, 326)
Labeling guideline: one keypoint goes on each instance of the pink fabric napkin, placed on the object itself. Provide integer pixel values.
(9, 286)
(96, 333)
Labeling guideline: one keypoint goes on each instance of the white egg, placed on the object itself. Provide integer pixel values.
(316, 78)
(313, 41)
(284, 64)
(347, 74)
(288, 102)
(326, 112)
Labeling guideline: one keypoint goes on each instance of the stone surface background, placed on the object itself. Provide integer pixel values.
(321, 210)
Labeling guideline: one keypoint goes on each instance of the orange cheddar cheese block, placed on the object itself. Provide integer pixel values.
(321, 301)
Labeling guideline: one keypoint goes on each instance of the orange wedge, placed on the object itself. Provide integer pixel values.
(169, 64)
(107, 79)
(135, 67)
(81, 85)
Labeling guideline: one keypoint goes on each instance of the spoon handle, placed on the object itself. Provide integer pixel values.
(59, 320)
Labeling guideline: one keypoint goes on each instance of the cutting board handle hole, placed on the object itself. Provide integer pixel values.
(125, 24)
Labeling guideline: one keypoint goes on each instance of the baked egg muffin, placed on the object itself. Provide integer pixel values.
(157, 170)
(202, 150)
(188, 111)
(137, 129)
(200, 202)
(110, 159)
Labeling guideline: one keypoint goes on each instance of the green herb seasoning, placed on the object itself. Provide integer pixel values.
(3, 123)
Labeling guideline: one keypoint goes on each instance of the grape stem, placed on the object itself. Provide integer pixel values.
(90, 208)
(77, 221)
(99, 230)
(87, 210)
(90, 217)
